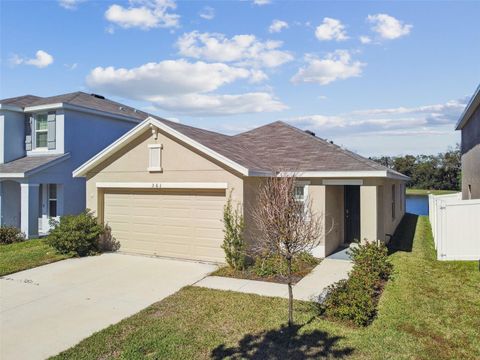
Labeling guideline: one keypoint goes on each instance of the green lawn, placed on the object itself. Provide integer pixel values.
(429, 310)
(426, 192)
(26, 255)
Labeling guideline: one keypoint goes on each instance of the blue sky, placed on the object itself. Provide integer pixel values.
(377, 77)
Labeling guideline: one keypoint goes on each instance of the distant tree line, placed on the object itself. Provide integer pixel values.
(438, 172)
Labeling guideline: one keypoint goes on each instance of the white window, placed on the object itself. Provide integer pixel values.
(41, 130)
(154, 157)
(52, 200)
(301, 191)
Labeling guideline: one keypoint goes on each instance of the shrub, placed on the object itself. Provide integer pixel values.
(10, 235)
(76, 234)
(355, 300)
(106, 241)
(233, 241)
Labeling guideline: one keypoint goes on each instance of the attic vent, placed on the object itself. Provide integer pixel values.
(98, 96)
(310, 132)
(122, 108)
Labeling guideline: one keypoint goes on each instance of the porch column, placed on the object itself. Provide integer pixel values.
(368, 213)
(29, 194)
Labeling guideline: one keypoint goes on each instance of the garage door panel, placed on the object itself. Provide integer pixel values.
(182, 225)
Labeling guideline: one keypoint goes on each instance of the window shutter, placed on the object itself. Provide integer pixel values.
(51, 137)
(28, 132)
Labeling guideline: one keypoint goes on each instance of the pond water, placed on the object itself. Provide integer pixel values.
(417, 204)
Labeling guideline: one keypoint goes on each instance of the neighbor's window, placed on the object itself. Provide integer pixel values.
(154, 157)
(41, 131)
(52, 200)
(393, 201)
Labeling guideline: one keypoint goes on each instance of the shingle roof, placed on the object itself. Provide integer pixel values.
(279, 146)
(79, 99)
(27, 164)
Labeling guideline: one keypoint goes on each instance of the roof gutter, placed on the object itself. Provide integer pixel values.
(469, 109)
(10, 108)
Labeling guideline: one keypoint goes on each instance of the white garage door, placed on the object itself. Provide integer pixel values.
(168, 223)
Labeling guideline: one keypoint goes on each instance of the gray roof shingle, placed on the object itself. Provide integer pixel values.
(27, 164)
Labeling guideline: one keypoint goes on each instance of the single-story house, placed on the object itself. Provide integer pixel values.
(162, 187)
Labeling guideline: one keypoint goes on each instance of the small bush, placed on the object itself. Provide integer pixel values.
(233, 241)
(106, 241)
(10, 235)
(355, 300)
(76, 234)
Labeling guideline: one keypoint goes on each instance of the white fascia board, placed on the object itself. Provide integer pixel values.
(10, 108)
(469, 110)
(43, 107)
(336, 174)
(12, 175)
(136, 131)
(162, 185)
(232, 164)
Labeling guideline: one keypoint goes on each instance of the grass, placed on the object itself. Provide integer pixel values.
(433, 192)
(26, 255)
(429, 310)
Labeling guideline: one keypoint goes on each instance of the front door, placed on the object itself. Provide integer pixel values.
(352, 213)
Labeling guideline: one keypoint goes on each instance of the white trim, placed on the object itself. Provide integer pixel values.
(80, 109)
(12, 175)
(469, 110)
(345, 174)
(136, 131)
(343, 182)
(10, 108)
(162, 185)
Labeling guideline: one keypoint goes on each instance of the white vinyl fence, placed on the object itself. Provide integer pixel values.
(455, 226)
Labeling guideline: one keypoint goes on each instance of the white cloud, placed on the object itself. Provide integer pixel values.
(433, 119)
(337, 65)
(144, 14)
(184, 87)
(262, 2)
(207, 13)
(217, 105)
(244, 50)
(69, 4)
(331, 29)
(365, 39)
(71, 66)
(41, 60)
(388, 27)
(277, 26)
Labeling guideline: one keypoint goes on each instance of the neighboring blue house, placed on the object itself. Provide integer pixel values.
(42, 140)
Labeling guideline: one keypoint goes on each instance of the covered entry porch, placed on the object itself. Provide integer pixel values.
(356, 210)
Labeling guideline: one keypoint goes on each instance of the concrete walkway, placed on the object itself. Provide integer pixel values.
(329, 271)
(50, 308)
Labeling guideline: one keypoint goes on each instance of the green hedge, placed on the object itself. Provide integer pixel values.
(355, 300)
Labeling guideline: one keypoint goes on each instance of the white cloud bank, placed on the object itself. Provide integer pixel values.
(331, 29)
(277, 26)
(41, 60)
(184, 87)
(388, 27)
(401, 121)
(144, 14)
(243, 50)
(337, 65)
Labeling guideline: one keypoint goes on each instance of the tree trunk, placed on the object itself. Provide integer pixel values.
(290, 292)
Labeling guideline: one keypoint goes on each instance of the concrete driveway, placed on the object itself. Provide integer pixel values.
(46, 310)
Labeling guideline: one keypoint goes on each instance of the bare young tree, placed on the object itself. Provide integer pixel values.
(287, 225)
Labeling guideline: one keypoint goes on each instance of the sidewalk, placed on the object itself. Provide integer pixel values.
(329, 271)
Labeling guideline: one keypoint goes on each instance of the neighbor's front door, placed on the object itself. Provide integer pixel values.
(352, 213)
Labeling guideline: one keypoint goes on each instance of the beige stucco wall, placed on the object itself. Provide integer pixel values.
(180, 163)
